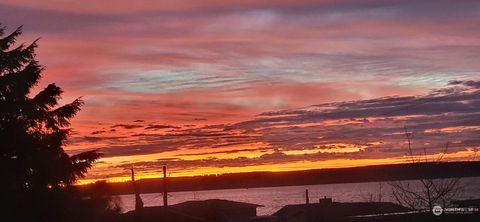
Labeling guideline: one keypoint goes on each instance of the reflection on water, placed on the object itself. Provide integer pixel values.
(273, 198)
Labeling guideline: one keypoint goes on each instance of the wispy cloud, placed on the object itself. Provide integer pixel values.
(358, 129)
(225, 74)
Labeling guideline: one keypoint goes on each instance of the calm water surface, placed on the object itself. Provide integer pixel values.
(273, 198)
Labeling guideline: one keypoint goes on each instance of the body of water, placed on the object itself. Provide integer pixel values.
(274, 198)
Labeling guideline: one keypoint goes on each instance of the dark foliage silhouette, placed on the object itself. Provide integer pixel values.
(37, 173)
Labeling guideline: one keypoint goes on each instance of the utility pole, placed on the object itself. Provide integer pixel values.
(165, 198)
(307, 199)
(138, 199)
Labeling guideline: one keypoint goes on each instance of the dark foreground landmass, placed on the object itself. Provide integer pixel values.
(304, 177)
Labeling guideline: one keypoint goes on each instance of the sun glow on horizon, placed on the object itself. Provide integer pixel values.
(237, 86)
(464, 155)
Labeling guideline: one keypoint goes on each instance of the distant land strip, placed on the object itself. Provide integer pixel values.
(292, 178)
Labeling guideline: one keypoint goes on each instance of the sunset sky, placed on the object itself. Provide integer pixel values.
(218, 86)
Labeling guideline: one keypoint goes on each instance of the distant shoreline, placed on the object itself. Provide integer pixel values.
(376, 173)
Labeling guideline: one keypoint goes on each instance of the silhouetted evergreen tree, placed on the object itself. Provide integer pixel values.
(36, 173)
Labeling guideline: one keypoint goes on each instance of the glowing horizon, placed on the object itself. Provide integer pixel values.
(467, 155)
(242, 86)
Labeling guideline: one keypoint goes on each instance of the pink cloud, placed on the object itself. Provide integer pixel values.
(219, 63)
